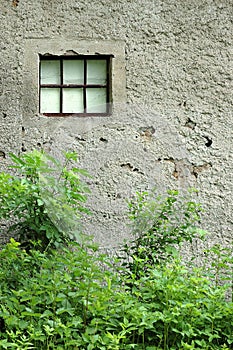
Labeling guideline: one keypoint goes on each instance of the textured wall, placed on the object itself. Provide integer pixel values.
(173, 128)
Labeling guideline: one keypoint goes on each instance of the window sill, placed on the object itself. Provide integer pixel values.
(83, 115)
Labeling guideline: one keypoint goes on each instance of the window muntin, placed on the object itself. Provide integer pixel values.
(71, 85)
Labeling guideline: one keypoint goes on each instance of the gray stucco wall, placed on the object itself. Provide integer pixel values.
(172, 122)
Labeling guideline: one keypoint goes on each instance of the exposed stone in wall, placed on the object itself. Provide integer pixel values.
(174, 129)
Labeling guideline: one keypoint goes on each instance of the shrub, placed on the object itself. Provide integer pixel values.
(62, 294)
(160, 224)
(43, 199)
(55, 299)
(68, 299)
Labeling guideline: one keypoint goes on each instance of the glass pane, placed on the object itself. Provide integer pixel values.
(96, 100)
(50, 72)
(49, 100)
(96, 72)
(73, 101)
(73, 72)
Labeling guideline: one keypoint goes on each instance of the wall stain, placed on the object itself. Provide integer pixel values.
(180, 166)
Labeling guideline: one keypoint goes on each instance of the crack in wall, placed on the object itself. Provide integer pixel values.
(180, 166)
(130, 167)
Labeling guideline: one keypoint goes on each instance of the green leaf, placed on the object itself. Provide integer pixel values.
(40, 202)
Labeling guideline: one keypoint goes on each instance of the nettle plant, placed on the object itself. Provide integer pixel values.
(160, 224)
(65, 295)
(44, 199)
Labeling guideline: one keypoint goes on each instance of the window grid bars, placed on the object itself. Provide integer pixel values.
(61, 86)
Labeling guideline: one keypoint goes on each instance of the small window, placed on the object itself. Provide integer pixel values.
(71, 85)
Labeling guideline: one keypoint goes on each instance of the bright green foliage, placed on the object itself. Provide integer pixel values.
(182, 307)
(70, 297)
(59, 301)
(218, 264)
(160, 224)
(44, 199)
(75, 299)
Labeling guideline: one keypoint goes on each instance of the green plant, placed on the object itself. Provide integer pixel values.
(218, 264)
(44, 199)
(68, 299)
(182, 307)
(159, 225)
(74, 298)
(59, 300)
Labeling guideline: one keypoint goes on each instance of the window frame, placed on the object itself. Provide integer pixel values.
(84, 86)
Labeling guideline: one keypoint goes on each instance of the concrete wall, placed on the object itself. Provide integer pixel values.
(172, 120)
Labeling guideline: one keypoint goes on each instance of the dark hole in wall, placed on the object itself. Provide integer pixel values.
(182, 103)
(127, 166)
(102, 139)
(130, 167)
(15, 3)
(2, 154)
(208, 141)
(190, 124)
(23, 149)
(77, 138)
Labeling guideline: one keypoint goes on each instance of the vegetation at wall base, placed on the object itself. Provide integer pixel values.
(43, 200)
(160, 225)
(69, 296)
(68, 299)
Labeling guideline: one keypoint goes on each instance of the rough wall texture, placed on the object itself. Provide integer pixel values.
(172, 127)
